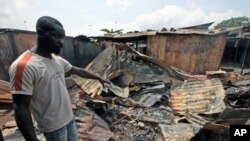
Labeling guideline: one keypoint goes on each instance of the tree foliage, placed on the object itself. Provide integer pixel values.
(234, 22)
(111, 31)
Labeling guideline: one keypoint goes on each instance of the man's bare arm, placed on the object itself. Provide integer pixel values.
(86, 74)
(23, 116)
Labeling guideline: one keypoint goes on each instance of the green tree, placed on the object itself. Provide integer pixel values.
(234, 22)
(111, 32)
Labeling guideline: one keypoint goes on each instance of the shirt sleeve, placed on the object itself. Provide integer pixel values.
(21, 80)
(66, 64)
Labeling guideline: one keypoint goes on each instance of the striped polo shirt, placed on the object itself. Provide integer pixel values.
(44, 80)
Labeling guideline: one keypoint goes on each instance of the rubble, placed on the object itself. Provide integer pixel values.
(212, 132)
(151, 101)
(216, 74)
(175, 132)
(90, 126)
(113, 59)
(5, 96)
(11, 132)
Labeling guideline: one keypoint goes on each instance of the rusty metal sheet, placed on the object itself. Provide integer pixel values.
(198, 96)
(7, 55)
(180, 74)
(235, 113)
(193, 53)
(237, 95)
(121, 92)
(103, 65)
(5, 95)
(85, 50)
(212, 132)
(177, 132)
(23, 40)
(119, 58)
(216, 74)
(122, 78)
(195, 119)
(14, 42)
(148, 100)
(90, 126)
(99, 65)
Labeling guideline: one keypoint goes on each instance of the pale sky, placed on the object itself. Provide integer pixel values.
(87, 17)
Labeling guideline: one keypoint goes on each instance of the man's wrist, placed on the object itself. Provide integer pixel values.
(100, 79)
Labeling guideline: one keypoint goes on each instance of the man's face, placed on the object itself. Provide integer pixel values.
(54, 39)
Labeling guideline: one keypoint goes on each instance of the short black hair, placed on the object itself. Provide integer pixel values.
(45, 23)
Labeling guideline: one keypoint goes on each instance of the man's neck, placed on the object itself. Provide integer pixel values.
(39, 49)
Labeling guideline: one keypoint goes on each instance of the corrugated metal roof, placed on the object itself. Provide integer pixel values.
(201, 26)
(4, 30)
(142, 35)
(200, 96)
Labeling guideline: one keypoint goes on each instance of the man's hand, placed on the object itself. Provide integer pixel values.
(23, 116)
(104, 81)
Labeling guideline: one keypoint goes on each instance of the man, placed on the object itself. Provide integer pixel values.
(38, 86)
(1, 135)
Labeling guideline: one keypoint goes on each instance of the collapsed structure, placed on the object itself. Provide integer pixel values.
(170, 90)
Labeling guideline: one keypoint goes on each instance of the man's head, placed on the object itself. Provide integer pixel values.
(50, 34)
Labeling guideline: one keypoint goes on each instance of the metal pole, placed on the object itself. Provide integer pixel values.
(136, 46)
(236, 46)
(244, 57)
(25, 25)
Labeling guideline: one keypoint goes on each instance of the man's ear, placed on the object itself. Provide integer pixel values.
(40, 32)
